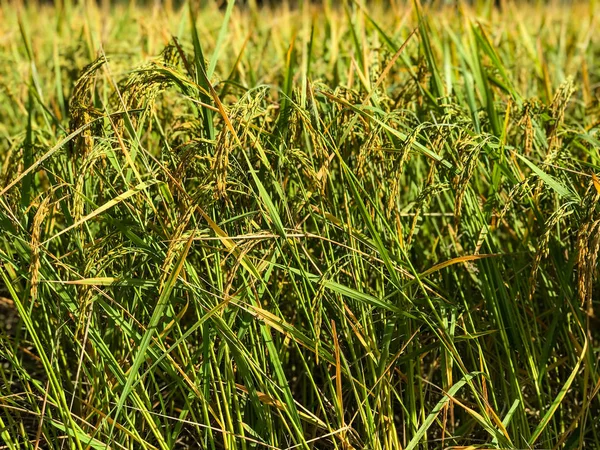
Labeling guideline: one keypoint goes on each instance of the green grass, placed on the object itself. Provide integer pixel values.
(323, 227)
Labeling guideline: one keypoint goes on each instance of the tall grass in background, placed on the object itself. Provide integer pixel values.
(326, 227)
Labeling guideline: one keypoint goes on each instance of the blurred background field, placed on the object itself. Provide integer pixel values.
(321, 226)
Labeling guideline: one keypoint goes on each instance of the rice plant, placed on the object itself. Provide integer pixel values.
(356, 225)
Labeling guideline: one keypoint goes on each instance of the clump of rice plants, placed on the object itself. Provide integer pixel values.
(334, 226)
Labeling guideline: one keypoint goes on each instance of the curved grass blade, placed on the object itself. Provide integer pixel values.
(157, 315)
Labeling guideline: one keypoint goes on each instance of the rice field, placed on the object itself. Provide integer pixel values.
(355, 225)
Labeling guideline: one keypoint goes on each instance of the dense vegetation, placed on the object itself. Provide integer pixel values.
(325, 227)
